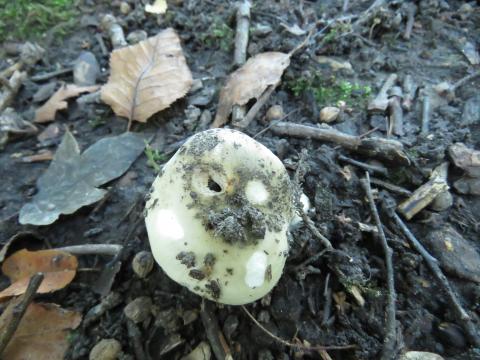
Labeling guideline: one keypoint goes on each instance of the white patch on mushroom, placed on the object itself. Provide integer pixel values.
(255, 269)
(168, 225)
(256, 192)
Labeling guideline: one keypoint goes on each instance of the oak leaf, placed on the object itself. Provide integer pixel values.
(42, 332)
(147, 77)
(47, 111)
(249, 82)
(59, 269)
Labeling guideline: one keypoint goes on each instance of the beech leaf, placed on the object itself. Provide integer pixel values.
(59, 269)
(147, 77)
(249, 82)
(72, 178)
(42, 333)
(47, 111)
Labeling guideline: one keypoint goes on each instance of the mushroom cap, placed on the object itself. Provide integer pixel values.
(218, 215)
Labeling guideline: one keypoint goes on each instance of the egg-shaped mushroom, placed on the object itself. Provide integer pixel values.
(218, 215)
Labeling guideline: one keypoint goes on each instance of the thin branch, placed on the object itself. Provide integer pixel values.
(292, 345)
(432, 263)
(388, 351)
(19, 310)
(92, 249)
(214, 333)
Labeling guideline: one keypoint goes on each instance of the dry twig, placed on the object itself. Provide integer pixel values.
(92, 249)
(388, 351)
(292, 345)
(213, 331)
(371, 168)
(462, 315)
(386, 149)
(19, 310)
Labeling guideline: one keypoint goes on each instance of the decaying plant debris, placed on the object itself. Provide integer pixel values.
(373, 108)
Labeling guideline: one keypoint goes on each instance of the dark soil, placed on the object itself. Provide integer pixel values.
(318, 302)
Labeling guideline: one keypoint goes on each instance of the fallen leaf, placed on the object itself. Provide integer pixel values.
(249, 82)
(147, 77)
(42, 332)
(72, 179)
(158, 7)
(59, 269)
(12, 124)
(47, 111)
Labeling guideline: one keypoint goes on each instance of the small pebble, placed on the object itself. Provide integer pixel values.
(442, 201)
(201, 352)
(106, 349)
(45, 91)
(451, 334)
(142, 264)
(274, 113)
(420, 355)
(139, 309)
(329, 114)
(136, 36)
(86, 69)
(125, 8)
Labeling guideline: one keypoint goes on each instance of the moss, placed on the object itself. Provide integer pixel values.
(219, 34)
(29, 19)
(154, 158)
(328, 92)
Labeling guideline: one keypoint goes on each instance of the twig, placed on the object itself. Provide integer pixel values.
(372, 168)
(380, 103)
(411, 10)
(51, 74)
(386, 149)
(213, 332)
(136, 337)
(426, 193)
(292, 345)
(391, 187)
(100, 41)
(92, 249)
(388, 351)
(274, 122)
(248, 118)
(19, 310)
(409, 89)
(396, 115)
(240, 53)
(425, 114)
(241, 34)
(327, 306)
(14, 84)
(464, 80)
(432, 263)
(115, 31)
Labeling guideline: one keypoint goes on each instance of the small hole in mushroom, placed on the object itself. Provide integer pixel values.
(213, 185)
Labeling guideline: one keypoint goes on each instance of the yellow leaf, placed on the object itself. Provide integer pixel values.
(147, 77)
(158, 7)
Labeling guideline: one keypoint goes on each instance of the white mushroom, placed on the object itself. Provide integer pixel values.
(218, 216)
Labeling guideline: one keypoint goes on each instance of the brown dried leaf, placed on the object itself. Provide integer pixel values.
(147, 77)
(250, 81)
(47, 111)
(59, 269)
(42, 332)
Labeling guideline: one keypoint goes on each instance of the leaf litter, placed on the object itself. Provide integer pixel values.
(59, 269)
(249, 82)
(147, 77)
(72, 179)
(43, 331)
(47, 111)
